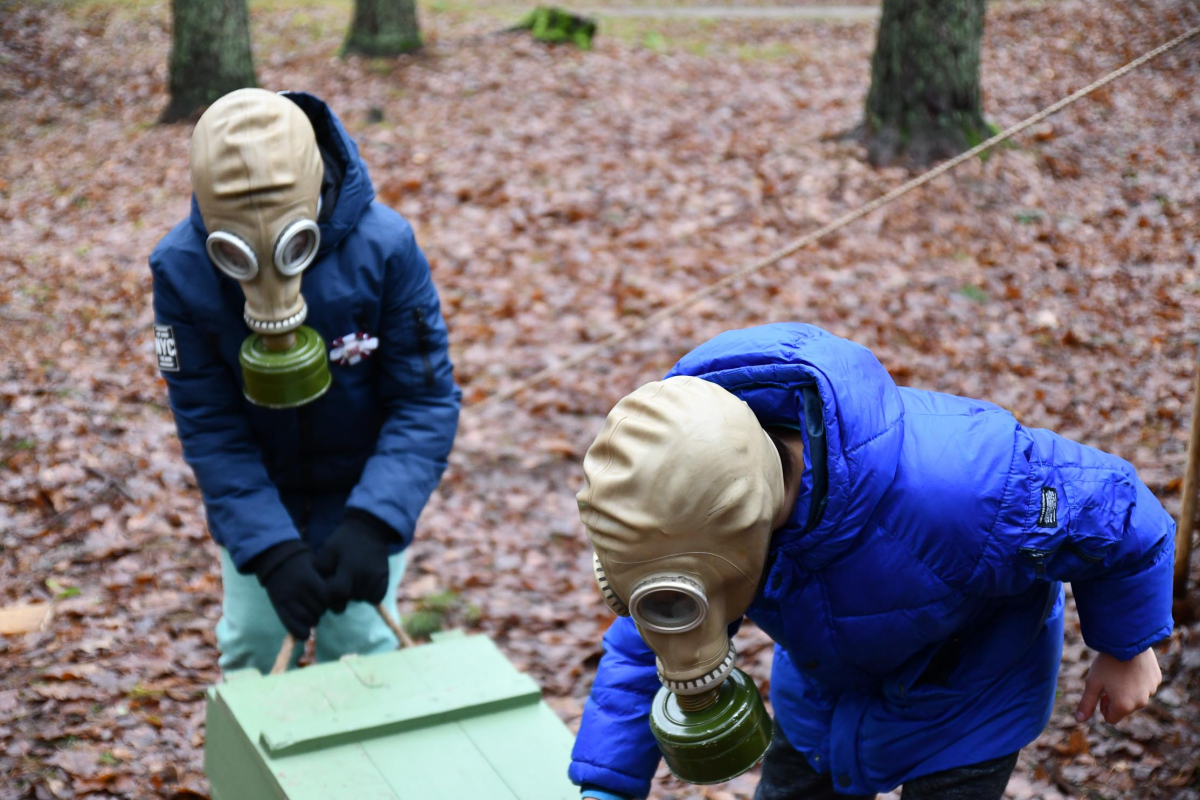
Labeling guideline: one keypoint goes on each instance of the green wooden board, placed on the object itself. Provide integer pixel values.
(451, 719)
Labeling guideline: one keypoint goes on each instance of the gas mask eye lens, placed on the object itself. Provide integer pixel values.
(232, 256)
(668, 608)
(297, 246)
(669, 604)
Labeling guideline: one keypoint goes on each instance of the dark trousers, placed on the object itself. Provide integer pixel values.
(786, 775)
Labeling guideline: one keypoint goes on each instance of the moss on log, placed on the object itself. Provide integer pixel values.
(556, 26)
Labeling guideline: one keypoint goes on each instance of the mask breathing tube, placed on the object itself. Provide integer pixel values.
(710, 723)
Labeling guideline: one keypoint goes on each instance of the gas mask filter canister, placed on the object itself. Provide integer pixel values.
(682, 487)
(256, 172)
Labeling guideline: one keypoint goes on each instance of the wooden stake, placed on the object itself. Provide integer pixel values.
(1187, 514)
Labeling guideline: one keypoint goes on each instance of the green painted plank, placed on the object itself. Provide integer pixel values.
(437, 763)
(235, 768)
(452, 720)
(385, 694)
(241, 674)
(340, 772)
(374, 682)
(529, 748)
(389, 714)
(276, 699)
(458, 662)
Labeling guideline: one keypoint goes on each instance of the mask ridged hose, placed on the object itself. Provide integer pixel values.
(698, 702)
(705, 685)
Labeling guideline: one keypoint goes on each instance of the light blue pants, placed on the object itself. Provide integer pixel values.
(249, 634)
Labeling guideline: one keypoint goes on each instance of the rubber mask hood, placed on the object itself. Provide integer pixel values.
(256, 173)
(681, 490)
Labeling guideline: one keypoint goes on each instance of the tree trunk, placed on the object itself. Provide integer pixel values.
(210, 54)
(383, 28)
(925, 103)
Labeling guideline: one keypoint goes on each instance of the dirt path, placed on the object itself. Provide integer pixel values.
(744, 12)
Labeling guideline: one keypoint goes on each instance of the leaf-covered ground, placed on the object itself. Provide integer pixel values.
(559, 196)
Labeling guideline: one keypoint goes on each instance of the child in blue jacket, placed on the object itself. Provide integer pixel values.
(905, 549)
(312, 506)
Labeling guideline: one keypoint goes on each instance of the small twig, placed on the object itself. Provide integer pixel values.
(110, 482)
(25, 389)
(17, 315)
(1055, 772)
(67, 513)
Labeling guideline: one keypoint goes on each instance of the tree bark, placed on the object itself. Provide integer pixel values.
(383, 28)
(210, 54)
(1187, 512)
(925, 102)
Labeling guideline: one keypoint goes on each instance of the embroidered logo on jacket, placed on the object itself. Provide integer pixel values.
(164, 348)
(1049, 516)
(352, 348)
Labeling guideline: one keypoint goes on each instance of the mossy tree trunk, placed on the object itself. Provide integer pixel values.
(925, 102)
(383, 28)
(210, 54)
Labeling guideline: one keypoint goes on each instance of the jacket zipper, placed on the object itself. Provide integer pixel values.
(1039, 559)
(1039, 556)
(1074, 549)
(423, 344)
(306, 479)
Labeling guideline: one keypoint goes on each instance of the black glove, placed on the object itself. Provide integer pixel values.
(296, 590)
(354, 560)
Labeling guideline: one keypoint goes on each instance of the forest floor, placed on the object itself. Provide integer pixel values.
(561, 195)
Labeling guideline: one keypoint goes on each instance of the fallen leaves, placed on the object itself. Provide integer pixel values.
(560, 196)
(24, 617)
(1076, 744)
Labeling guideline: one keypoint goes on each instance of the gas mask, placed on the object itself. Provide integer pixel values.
(682, 488)
(256, 174)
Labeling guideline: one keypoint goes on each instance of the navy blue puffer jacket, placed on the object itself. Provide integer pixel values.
(917, 610)
(377, 441)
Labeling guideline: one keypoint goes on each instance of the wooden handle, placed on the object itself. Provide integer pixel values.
(1187, 513)
(285, 654)
(289, 642)
(401, 634)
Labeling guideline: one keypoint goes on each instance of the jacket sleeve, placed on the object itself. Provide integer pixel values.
(245, 513)
(417, 388)
(1085, 517)
(615, 749)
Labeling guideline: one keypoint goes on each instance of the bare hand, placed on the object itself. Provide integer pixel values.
(1122, 687)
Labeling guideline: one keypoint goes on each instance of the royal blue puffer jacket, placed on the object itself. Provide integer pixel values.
(918, 615)
(377, 441)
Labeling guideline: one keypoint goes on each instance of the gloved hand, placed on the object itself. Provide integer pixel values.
(354, 560)
(296, 590)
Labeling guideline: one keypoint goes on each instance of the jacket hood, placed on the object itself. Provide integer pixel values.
(769, 367)
(354, 193)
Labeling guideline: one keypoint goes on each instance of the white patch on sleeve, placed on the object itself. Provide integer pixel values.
(165, 349)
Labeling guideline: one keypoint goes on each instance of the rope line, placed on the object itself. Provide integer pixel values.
(820, 233)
